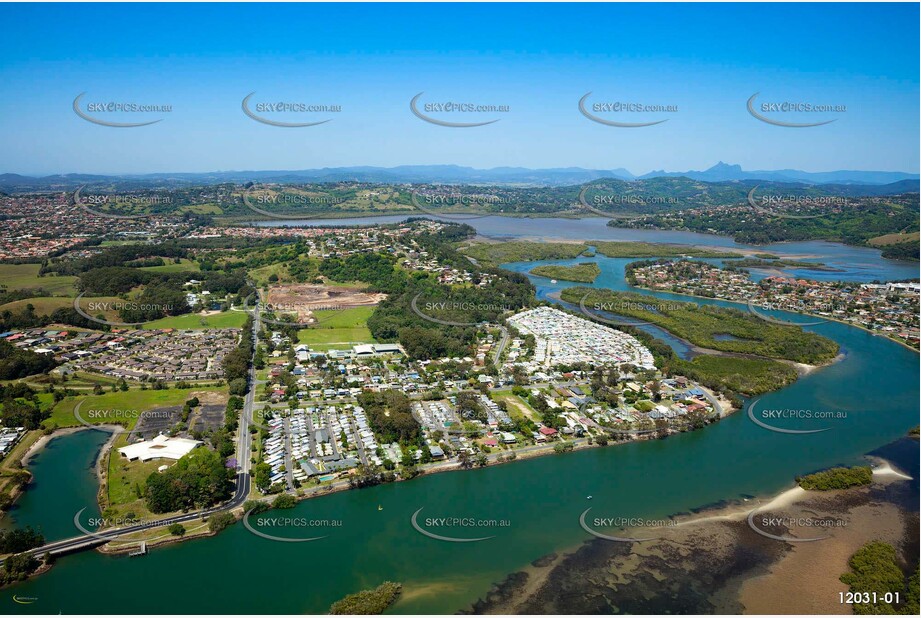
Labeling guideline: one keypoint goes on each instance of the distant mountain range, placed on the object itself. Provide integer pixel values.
(452, 174)
(724, 171)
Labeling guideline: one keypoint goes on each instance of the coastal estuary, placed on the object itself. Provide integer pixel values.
(875, 385)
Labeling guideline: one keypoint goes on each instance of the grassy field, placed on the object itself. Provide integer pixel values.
(339, 327)
(62, 415)
(126, 479)
(194, 321)
(521, 251)
(261, 275)
(25, 277)
(517, 407)
(892, 239)
(183, 266)
(203, 209)
(582, 273)
(526, 251)
(617, 249)
(45, 305)
(312, 336)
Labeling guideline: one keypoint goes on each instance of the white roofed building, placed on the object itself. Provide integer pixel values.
(161, 447)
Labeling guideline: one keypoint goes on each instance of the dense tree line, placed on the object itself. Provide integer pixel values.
(390, 415)
(19, 540)
(197, 480)
(115, 256)
(17, 363)
(874, 568)
(395, 320)
(837, 478)
(701, 325)
(375, 268)
(236, 363)
(902, 251)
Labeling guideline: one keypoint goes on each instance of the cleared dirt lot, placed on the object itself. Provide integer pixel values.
(304, 299)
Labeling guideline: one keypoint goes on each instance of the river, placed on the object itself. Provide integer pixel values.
(876, 385)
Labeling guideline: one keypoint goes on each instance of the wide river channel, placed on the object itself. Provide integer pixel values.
(875, 385)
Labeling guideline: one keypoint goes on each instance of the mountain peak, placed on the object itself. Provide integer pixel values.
(725, 167)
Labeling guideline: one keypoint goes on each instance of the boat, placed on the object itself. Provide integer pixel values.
(380, 508)
(588, 497)
(553, 281)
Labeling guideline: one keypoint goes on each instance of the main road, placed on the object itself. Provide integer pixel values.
(243, 482)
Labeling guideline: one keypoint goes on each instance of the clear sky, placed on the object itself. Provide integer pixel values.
(539, 60)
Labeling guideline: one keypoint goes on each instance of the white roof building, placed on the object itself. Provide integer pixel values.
(161, 447)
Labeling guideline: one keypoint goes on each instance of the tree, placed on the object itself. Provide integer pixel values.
(176, 529)
(284, 501)
(262, 475)
(198, 479)
(220, 520)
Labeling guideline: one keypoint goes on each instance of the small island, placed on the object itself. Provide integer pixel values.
(585, 272)
(368, 601)
(837, 478)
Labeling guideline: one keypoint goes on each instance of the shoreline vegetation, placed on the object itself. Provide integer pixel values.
(717, 328)
(733, 569)
(373, 601)
(827, 318)
(495, 253)
(837, 478)
(161, 537)
(585, 272)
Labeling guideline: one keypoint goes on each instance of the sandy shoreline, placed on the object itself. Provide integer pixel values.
(713, 562)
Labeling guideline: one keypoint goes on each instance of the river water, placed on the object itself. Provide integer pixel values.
(875, 385)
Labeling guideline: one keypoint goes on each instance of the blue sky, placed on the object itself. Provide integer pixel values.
(539, 60)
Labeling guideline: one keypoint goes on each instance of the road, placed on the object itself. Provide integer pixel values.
(244, 439)
(88, 541)
(497, 359)
(358, 443)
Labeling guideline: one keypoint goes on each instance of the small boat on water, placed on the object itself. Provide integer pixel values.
(588, 497)
(380, 508)
(553, 281)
